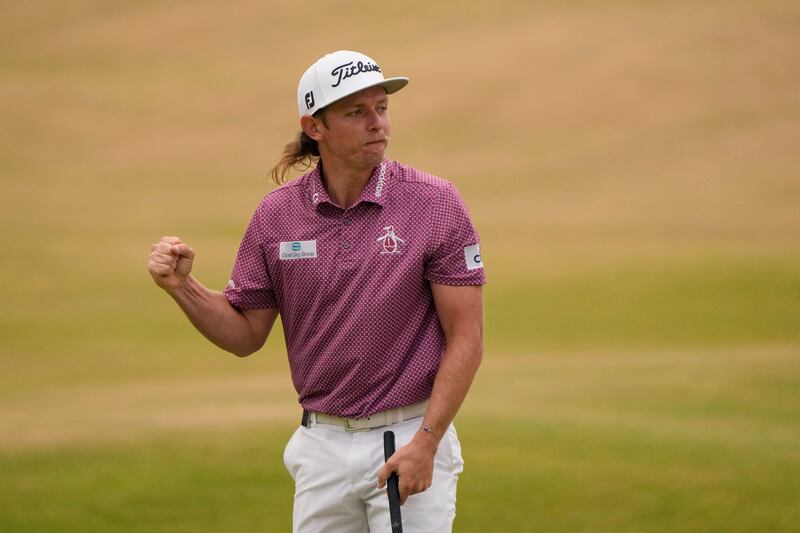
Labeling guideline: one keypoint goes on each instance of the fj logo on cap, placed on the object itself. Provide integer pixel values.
(310, 99)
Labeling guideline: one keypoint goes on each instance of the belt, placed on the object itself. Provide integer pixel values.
(383, 418)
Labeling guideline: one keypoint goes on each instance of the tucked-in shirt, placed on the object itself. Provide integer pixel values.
(352, 286)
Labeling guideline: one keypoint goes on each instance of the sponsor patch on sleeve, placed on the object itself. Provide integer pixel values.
(472, 254)
(298, 250)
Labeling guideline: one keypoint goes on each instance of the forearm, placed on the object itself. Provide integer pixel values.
(460, 310)
(459, 365)
(213, 316)
(414, 461)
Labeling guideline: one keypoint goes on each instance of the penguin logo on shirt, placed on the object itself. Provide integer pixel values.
(390, 242)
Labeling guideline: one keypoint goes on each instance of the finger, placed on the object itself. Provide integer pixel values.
(183, 250)
(170, 239)
(410, 489)
(163, 259)
(159, 269)
(406, 489)
(162, 248)
(404, 493)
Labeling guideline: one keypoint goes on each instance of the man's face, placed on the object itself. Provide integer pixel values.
(356, 129)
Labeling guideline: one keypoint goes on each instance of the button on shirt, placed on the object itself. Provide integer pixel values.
(352, 286)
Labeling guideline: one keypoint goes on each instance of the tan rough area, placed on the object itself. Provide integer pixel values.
(138, 410)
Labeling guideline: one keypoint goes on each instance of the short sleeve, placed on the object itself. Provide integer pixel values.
(454, 252)
(250, 286)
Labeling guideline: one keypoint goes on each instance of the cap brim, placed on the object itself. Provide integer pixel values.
(390, 85)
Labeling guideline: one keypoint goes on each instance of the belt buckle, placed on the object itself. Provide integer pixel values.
(352, 428)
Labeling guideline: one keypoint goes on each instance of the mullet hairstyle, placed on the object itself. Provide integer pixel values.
(300, 154)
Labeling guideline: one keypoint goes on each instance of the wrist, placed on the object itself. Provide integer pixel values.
(429, 437)
(180, 289)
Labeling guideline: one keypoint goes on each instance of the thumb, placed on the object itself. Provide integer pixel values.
(182, 250)
(383, 474)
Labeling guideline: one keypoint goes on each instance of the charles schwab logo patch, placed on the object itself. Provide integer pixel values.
(472, 255)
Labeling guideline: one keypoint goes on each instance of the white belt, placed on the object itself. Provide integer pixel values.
(384, 418)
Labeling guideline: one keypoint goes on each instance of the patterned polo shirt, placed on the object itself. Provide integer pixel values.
(352, 286)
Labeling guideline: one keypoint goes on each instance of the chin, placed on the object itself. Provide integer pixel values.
(374, 159)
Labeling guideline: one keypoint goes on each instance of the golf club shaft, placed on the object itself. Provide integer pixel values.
(392, 488)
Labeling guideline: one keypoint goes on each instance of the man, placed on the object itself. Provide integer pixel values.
(376, 272)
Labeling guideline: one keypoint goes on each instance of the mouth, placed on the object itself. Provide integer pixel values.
(378, 141)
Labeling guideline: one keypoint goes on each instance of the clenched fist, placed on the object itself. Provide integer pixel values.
(170, 262)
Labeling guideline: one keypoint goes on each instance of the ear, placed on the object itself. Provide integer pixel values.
(313, 127)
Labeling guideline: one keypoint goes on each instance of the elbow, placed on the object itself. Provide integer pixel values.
(478, 352)
(475, 346)
(471, 350)
(469, 347)
(245, 350)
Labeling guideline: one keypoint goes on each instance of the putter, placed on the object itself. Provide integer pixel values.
(392, 488)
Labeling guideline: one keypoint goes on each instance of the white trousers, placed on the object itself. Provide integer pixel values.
(336, 477)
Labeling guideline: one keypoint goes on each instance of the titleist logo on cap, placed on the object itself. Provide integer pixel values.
(342, 72)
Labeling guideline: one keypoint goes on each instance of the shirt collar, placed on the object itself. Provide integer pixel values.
(316, 189)
(374, 191)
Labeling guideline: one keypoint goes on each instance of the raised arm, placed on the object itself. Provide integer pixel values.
(239, 332)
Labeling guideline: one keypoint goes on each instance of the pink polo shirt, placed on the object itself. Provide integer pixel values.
(352, 286)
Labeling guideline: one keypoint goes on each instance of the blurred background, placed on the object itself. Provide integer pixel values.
(633, 169)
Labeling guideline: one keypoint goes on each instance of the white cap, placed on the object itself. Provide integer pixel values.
(337, 75)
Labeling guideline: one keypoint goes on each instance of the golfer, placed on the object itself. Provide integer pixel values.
(375, 270)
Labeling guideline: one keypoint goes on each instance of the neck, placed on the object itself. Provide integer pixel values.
(344, 184)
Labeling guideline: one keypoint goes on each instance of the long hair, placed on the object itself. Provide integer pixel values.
(301, 154)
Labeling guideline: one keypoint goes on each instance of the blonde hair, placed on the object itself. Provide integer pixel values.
(301, 154)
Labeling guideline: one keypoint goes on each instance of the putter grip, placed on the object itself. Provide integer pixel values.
(392, 488)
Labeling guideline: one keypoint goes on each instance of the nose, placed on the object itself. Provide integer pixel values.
(375, 122)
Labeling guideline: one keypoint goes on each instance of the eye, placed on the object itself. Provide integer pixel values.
(355, 112)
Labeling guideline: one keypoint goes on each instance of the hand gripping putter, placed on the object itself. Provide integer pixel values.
(392, 488)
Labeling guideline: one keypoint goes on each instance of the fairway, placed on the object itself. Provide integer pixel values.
(663, 440)
(632, 168)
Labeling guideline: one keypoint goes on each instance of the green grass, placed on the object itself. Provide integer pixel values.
(215, 482)
(673, 302)
(650, 441)
(556, 476)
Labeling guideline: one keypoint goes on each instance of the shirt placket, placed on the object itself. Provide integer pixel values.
(347, 235)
